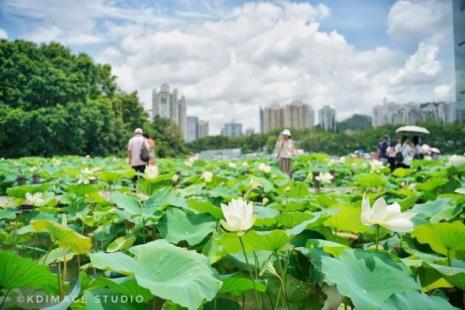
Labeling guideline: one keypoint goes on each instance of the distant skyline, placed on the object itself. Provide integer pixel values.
(231, 57)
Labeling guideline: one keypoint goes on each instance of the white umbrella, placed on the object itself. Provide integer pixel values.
(413, 129)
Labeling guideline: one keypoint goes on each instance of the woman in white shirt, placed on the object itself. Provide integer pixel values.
(406, 150)
(284, 151)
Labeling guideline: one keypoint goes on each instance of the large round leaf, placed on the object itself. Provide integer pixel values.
(182, 276)
(416, 301)
(17, 272)
(177, 225)
(65, 237)
(444, 238)
(367, 278)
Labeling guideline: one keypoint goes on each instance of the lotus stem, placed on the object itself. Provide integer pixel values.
(4, 298)
(377, 237)
(250, 272)
(449, 262)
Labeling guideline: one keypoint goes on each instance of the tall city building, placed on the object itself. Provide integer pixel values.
(203, 129)
(413, 113)
(166, 104)
(192, 128)
(232, 129)
(459, 51)
(295, 115)
(196, 128)
(327, 118)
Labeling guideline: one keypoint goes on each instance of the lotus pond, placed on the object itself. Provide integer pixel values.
(77, 233)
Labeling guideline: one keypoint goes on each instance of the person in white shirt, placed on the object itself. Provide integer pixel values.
(284, 151)
(135, 145)
(406, 150)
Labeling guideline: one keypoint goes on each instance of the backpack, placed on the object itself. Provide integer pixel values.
(144, 152)
(400, 156)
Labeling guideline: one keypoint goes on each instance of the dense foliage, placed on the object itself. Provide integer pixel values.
(78, 228)
(53, 102)
(448, 138)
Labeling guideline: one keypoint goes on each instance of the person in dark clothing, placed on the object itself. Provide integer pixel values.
(382, 148)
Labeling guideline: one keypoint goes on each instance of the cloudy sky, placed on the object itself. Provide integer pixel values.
(229, 57)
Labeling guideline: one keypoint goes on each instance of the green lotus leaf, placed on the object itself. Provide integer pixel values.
(169, 272)
(415, 301)
(347, 218)
(454, 274)
(291, 219)
(121, 243)
(177, 225)
(126, 285)
(367, 278)
(444, 238)
(330, 247)
(19, 272)
(237, 285)
(203, 206)
(438, 210)
(65, 237)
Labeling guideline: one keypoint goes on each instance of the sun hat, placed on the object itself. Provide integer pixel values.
(138, 131)
(286, 132)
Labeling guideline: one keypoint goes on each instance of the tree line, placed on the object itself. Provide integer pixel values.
(448, 138)
(53, 102)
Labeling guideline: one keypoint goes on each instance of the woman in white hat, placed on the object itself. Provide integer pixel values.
(284, 151)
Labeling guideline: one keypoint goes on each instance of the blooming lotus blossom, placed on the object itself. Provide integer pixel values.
(232, 165)
(151, 172)
(324, 178)
(457, 160)
(238, 215)
(264, 167)
(87, 175)
(376, 165)
(191, 160)
(207, 176)
(36, 199)
(388, 216)
(427, 157)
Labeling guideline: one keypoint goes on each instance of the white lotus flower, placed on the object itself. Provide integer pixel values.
(388, 216)
(457, 160)
(191, 160)
(427, 157)
(238, 215)
(87, 175)
(376, 165)
(264, 167)
(245, 164)
(460, 190)
(36, 199)
(232, 165)
(324, 178)
(151, 172)
(207, 176)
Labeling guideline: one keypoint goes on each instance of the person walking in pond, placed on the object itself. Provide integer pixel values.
(138, 151)
(284, 151)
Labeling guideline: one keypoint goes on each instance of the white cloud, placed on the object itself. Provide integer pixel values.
(414, 20)
(3, 34)
(264, 53)
(229, 62)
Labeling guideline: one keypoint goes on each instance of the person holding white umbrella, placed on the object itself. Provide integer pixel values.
(404, 153)
(284, 151)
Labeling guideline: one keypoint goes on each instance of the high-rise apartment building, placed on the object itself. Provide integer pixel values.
(203, 129)
(413, 113)
(327, 118)
(296, 115)
(192, 128)
(232, 129)
(166, 104)
(459, 51)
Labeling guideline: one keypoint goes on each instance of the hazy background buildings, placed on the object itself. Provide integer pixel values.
(295, 115)
(232, 129)
(413, 113)
(166, 104)
(327, 118)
